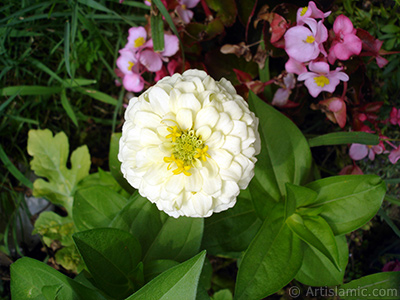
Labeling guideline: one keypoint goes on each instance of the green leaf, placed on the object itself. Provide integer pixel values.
(316, 233)
(271, 261)
(231, 230)
(69, 258)
(161, 237)
(55, 227)
(115, 164)
(222, 295)
(285, 155)
(377, 286)
(50, 156)
(339, 138)
(67, 29)
(68, 108)
(29, 277)
(31, 90)
(97, 95)
(96, 206)
(155, 267)
(296, 197)
(341, 196)
(177, 283)
(318, 270)
(226, 10)
(112, 257)
(390, 28)
(157, 32)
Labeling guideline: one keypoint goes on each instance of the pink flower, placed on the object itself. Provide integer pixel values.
(294, 66)
(128, 64)
(394, 155)
(359, 151)
(321, 78)
(182, 9)
(137, 39)
(346, 43)
(351, 170)
(281, 96)
(391, 266)
(395, 116)
(335, 110)
(304, 44)
(310, 11)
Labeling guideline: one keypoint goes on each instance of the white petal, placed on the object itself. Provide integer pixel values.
(239, 129)
(222, 157)
(207, 116)
(204, 132)
(189, 101)
(225, 123)
(159, 100)
(149, 137)
(233, 173)
(184, 117)
(147, 119)
(232, 144)
(233, 109)
(194, 182)
(202, 203)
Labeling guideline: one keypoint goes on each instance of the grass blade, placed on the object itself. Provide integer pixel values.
(66, 47)
(9, 100)
(340, 138)
(97, 95)
(31, 90)
(13, 170)
(67, 107)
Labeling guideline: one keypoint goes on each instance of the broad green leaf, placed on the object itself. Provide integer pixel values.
(318, 270)
(285, 155)
(296, 197)
(177, 283)
(96, 206)
(157, 32)
(348, 202)
(271, 261)
(340, 138)
(97, 95)
(231, 230)
(115, 164)
(29, 277)
(178, 239)
(69, 258)
(316, 233)
(384, 285)
(390, 28)
(222, 295)
(161, 237)
(55, 227)
(50, 156)
(112, 257)
(155, 267)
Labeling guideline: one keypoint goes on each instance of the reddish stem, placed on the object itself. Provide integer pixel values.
(206, 9)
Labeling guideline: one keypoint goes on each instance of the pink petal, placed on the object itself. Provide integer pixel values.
(335, 105)
(394, 155)
(315, 12)
(189, 3)
(281, 97)
(289, 81)
(351, 45)
(332, 56)
(312, 87)
(342, 25)
(133, 82)
(151, 60)
(358, 151)
(136, 33)
(319, 67)
(185, 14)
(351, 170)
(294, 66)
(126, 61)
(381, 61)
(171, 43)
(393, 116)
(297, 48)
(322, 33)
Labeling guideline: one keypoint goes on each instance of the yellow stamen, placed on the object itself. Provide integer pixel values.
(139, 42)
(202, 153)
(303, 11)
(174, 133)
(182, 168)
(170, 160)
(321, 80)
(184, 6)
(131, 64)
(310, 39)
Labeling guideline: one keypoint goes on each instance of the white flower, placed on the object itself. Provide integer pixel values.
(188, 144)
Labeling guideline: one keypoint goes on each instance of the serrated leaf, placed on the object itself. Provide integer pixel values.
(112, 257)
(29, 277)
(50, 156)
(178, 283)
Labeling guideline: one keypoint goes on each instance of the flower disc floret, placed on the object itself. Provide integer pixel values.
(188, 144)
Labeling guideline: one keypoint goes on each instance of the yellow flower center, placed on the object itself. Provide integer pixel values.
(310, 39)
(321, 80)
(131, 64)
(184, 6)
(187, 146)
(303, 11)
(139, 42)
